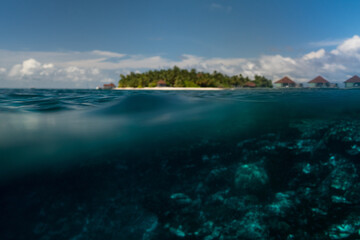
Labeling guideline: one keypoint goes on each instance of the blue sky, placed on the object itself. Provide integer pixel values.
(69, 37)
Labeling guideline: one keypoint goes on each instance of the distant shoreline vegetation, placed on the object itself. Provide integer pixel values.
(176, 77)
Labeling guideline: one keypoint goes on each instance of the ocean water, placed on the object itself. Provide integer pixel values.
(241, 164)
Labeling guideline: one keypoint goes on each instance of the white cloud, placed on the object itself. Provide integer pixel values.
(30, 67)
(47, 66)
(15, 70)
(333, 67)
(69, 69)
(277, 64)
(108, 54)
(108, 80)
(95, 71)
(35, 73)
(314, 55)
(74, 69)
(349, 47)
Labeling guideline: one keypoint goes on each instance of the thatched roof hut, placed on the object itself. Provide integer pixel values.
(353, 82)
(319, 82)
(285, 82)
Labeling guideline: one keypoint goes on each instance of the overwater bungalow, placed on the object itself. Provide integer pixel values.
(249, 85)
(161, 83)
(319, 82)
(353, 82)
(106, 87)
(109, 86)
(285, 82)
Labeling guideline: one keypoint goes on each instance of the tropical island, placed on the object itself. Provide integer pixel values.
(183, 78)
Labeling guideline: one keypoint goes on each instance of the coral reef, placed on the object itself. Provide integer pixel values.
(272, 186)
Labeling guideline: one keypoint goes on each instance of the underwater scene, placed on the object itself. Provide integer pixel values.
(157, 165)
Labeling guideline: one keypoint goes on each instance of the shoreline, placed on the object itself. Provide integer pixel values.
(222, 89)
(174, 88)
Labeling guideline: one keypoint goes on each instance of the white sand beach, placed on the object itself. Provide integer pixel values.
(173, 88)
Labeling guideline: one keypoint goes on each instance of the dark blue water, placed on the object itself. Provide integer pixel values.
(242, 164)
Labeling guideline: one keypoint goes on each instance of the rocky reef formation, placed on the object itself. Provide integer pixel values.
(300, 183)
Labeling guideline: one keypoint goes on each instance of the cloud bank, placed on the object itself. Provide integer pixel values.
(89, 69)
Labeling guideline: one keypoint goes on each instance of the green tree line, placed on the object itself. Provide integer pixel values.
(176, 77)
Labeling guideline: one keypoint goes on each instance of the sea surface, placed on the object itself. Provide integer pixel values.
(156, 165)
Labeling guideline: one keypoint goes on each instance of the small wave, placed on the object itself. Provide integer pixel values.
(142, 103)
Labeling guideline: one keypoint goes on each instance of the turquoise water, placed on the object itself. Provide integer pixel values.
(242, 164)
